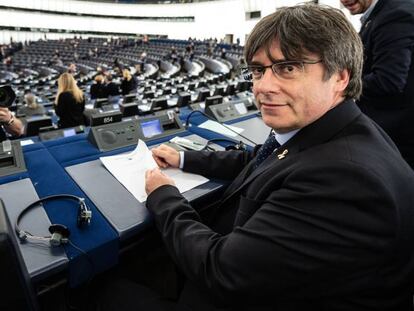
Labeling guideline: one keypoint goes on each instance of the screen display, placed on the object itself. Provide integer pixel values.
(151, 128)
(69, 132)
(241, 108)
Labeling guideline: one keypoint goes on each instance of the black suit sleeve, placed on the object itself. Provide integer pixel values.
(390, 47)
(305, 238)
(219, 164)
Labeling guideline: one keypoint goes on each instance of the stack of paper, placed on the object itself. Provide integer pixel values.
(129, 169)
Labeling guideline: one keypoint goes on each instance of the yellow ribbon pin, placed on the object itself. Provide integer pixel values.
(283, 154)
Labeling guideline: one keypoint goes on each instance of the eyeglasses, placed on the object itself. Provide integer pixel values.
(287, 70)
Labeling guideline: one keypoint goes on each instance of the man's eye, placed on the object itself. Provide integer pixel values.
(288, 68)
(256, 70)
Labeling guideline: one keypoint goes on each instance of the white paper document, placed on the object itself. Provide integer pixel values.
(221, 129)
(129, 169)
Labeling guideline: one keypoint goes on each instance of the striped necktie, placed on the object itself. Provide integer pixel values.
(266, 150)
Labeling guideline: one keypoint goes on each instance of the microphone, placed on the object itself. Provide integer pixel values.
(222, 124)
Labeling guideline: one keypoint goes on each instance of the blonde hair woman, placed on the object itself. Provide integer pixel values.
(70, 102)
(128, 83)
(98, 89)
(31, 107)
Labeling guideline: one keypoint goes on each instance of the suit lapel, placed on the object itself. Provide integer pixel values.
(366, 25)
(318, 132)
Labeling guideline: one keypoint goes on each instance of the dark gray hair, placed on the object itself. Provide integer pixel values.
(311, 28)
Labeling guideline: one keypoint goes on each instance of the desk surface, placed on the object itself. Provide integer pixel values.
(125, 213)
(254, 129)
(71, 165)
(110, 224)
(41, 260)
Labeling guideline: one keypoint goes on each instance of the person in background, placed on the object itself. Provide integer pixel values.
(72, 69)
(70, 102)
(98, 89)
(173, 54)
(31, 107)
(9, 124)
(320, 217)
(138, 70)
(223, 53)
(387, 32)
(128, 83)
(143, 58)
(112, 88)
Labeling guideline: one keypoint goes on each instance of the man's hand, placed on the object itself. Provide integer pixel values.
(166, 156)
(5, 115)
(155, 178)
(11, 124)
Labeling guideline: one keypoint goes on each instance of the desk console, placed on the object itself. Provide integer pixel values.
(231, 110)
(11, 158)
(117, 135)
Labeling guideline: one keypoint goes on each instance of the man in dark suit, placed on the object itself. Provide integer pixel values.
(322, 222)
(387, 33)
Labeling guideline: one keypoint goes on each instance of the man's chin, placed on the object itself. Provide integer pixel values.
(356, 9)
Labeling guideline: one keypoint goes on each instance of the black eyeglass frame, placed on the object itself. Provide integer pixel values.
(248, 75)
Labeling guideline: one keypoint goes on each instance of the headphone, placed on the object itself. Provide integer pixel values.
(235, 145)
(59, 233)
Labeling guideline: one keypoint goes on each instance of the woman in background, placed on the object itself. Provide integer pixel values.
(31, 107)
(128, 84)
(98, 89)
(70, 102)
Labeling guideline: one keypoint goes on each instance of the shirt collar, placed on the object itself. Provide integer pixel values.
(367, 13)
(283, 138)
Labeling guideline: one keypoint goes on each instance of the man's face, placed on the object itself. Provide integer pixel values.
(289, 104)
(356, 6)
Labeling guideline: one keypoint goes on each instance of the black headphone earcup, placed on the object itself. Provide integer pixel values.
(60, 234)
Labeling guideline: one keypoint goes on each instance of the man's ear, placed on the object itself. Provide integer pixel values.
(342, 80)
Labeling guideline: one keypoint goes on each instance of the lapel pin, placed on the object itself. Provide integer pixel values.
(283, 154)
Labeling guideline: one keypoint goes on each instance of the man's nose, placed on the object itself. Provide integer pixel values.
(267, 83)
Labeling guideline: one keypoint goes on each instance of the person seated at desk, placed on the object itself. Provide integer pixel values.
(112, 89)
(320, 217)
(98, 89)
(31, 107)
(143, 58)
(128, 83)
(9, 124)
(70, 102)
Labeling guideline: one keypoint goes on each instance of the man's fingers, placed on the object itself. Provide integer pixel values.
(151, 171)
(160, 161)
(159, 152)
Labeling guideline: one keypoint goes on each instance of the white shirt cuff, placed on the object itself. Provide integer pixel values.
(181, 159)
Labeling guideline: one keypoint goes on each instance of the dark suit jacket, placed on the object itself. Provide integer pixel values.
(388, 74)
(128, 86)
(112, 89)
(69, 111)
(327, 226)
(98, 90)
